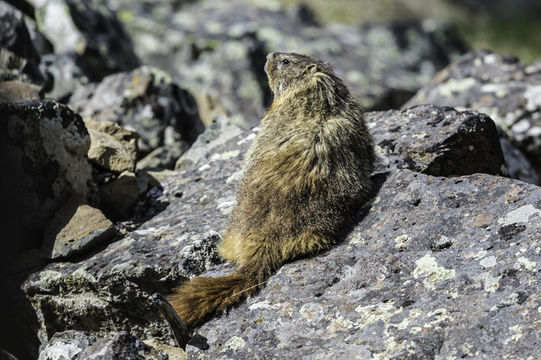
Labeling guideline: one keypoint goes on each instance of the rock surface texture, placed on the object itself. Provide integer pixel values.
(218, 48)
(146, 101)
(500, 86)
(442, 262)
(428, 255)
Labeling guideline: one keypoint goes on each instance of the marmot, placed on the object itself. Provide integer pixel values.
(306, 173)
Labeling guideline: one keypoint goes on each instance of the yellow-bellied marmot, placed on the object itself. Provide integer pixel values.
(306, 172)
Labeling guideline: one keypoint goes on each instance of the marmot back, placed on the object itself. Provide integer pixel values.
(307, 171)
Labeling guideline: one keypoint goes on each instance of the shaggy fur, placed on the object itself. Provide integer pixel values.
(307, 170)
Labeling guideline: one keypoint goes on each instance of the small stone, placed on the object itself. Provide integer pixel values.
(87, 228)
(112, 147)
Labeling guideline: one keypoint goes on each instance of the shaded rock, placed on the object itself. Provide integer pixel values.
(208, 46)
(90, 30)
(502, 87)
(15, 38)
(7, 356)
(435, 140)
(218, 132)
(122, 346)
(112, 147)
(66, 345)
(119, 196)
(17, 90)
(145, 101)
(43, 147)
(518, 165)
(84, 228)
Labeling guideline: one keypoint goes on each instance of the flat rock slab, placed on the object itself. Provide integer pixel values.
(500, 86)
(438, 268)
(437, 141)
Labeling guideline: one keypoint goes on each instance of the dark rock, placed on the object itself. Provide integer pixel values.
(502, 87)
(146, 101)
(92, 31)
(119, 196)
(20, 59)
(437, 141)
(122, 346)
(6, 355)
(44, 146)
(209, 46)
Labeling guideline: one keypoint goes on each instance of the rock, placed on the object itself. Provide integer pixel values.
(119, 196)
(439, 141)
(208, 46)
(430, 227)
(43, 147)
(518, 165)
(90, 30)
(174, 353)
(64, 75)
(122, 346)
(20, 59)
(66, 345)
(157, 176)
(84, 227)
(112, 147)
(163, 157)
(17, 90)
(502, 87)
(437, 268)
(7, 356)
(219, 131)
(145, 101)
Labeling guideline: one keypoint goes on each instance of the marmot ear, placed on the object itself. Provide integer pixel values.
(311, 69)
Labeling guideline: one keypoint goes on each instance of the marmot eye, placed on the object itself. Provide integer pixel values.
(284, 62)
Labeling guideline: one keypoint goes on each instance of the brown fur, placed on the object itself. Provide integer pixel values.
(306, 172)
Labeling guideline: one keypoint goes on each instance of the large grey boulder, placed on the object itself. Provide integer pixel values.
(423, 242)
(436, 268)
(500, 86)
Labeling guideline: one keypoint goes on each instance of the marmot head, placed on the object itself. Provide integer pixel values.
(288, 71)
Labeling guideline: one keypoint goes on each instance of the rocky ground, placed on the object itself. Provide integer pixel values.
(122, 132)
